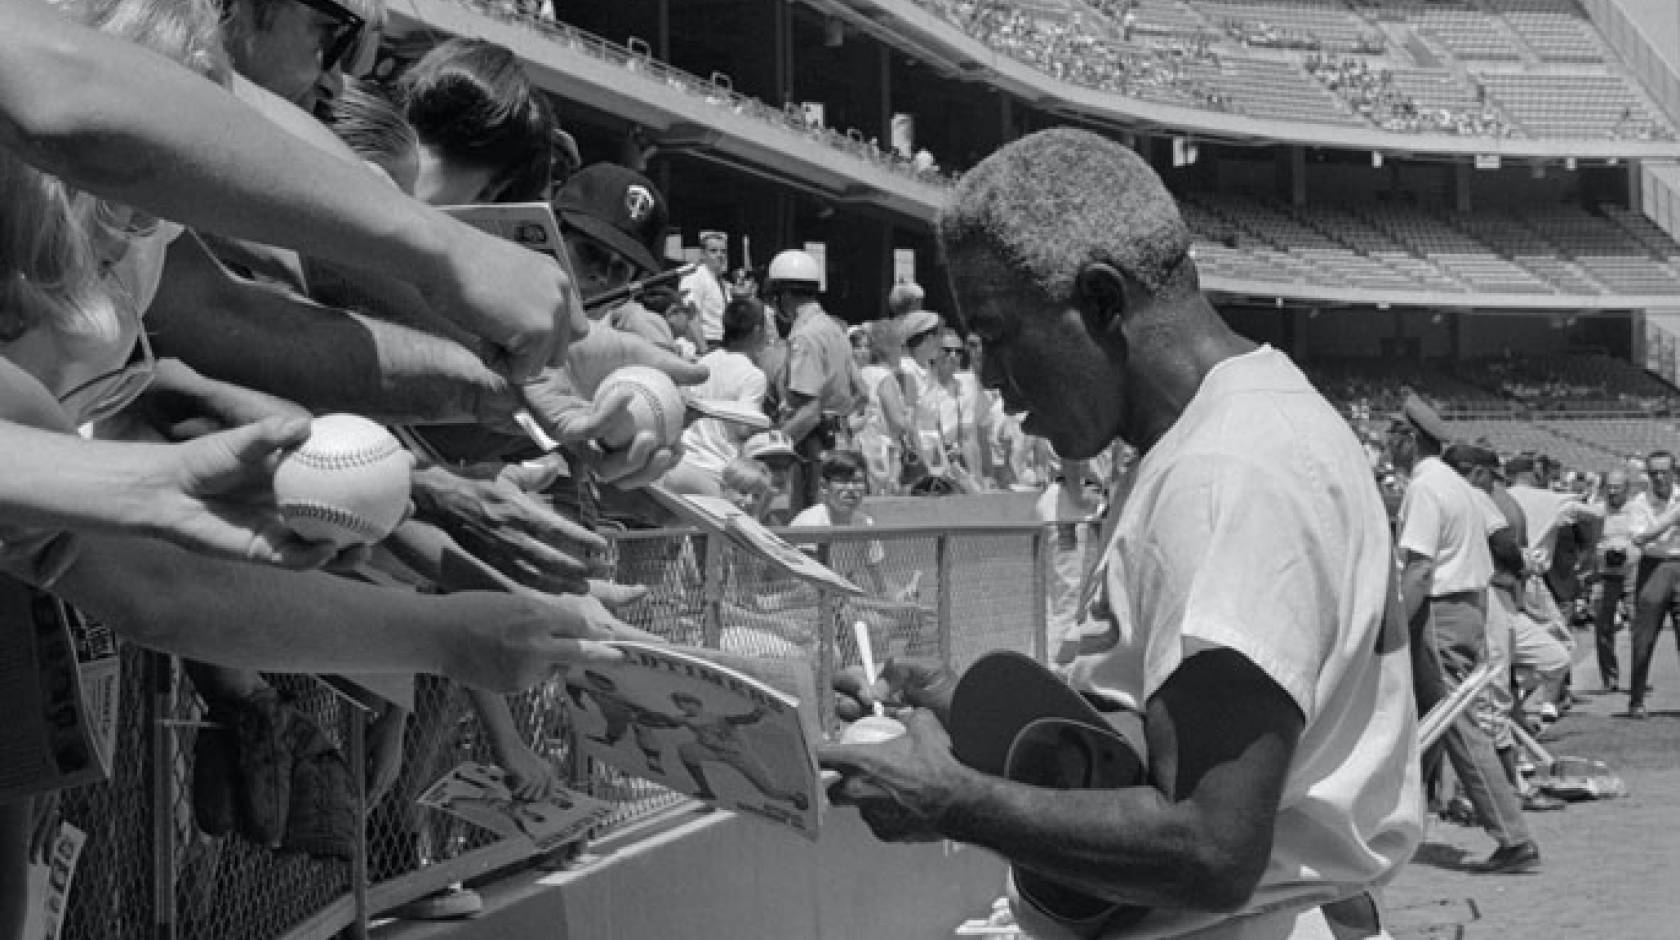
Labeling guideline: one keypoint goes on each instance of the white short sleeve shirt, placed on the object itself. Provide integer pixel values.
(1254, 525)
(1441, 519)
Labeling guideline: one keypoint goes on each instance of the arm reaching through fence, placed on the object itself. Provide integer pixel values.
(258, 618)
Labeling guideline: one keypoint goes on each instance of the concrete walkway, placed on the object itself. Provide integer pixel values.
(1610, 870)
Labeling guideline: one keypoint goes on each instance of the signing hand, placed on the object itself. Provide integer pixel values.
(901, 787)
(508, 529)
(903, 684)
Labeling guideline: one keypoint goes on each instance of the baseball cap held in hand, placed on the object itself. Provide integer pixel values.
(618, 208)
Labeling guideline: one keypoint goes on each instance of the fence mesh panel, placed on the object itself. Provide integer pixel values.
(702, 591)
(111, 895)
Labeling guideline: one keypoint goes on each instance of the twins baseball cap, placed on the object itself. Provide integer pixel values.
(769, 445)
(619, 208)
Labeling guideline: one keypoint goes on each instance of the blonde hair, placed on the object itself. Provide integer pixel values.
(747, 476)
(50, 273)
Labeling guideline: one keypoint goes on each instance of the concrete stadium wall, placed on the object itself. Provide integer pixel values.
(985, 509)
(721, 877)
(1659, 20)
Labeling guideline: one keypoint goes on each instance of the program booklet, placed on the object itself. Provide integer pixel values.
(479, 794)
(745, 532)
(531, 224)
(49, 882)
(738, 736)
(62, 677)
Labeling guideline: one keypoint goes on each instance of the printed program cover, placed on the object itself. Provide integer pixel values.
(479, 794)
(677, 717)
(49, 884)
(63, 674)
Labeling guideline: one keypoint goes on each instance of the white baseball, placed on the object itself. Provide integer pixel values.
(655, 405)
(347, 484)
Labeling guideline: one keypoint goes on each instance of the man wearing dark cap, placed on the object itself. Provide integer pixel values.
(1443, 542)
(613, 220)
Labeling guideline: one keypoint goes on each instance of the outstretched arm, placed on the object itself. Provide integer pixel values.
(264, 618)
(325, 359)
(127, 124)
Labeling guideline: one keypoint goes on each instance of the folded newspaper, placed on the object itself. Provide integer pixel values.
(61, 675)
(726, 519)
(738, 735)
(479, 794)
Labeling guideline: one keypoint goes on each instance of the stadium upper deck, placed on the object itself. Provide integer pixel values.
(1518, 77)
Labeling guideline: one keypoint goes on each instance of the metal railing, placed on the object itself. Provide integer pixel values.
(637, 55)
(148, 870)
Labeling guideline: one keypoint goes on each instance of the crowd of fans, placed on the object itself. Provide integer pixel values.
(1372, 94)
(1085, 53)
(307, 275)
(541, 15)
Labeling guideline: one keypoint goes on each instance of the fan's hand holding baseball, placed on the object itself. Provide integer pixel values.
(508, 529)
(214, 495)
(607, 350)
(578, 407)
(902, 787)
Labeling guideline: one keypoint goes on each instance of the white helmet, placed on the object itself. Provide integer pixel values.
(793, 270)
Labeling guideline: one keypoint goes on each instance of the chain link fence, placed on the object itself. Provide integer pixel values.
(149, 869)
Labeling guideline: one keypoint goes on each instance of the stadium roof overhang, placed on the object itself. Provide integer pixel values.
(923, 34)
(685, 115)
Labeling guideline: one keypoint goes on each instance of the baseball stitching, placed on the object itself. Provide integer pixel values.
(654, 405)
(332, 515)
(347, 459)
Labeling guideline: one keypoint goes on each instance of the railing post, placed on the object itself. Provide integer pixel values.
(160, 672)
(712, 589)
(359, 849)
(1040, 595)
(828, 637)
(942, 562)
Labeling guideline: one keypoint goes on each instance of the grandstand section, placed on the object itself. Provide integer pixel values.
(1536, 70)
(1554, 251)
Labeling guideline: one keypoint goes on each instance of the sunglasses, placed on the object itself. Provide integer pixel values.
(344, 42)
(952, 350)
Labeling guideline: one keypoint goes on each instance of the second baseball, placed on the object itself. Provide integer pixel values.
(656, 406)
(348, 484)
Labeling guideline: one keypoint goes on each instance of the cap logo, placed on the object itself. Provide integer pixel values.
(638, 202)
